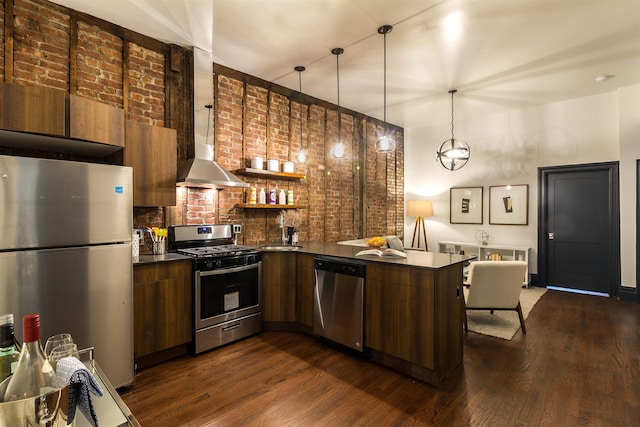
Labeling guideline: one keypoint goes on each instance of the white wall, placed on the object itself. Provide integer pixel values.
(629, 152)
(508, 148)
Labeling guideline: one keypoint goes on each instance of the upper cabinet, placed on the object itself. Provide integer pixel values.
(39, 118)
(94, 121)
(32, 109)
(152, 152)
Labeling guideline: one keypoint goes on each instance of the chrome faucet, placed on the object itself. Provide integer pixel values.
(284, 238)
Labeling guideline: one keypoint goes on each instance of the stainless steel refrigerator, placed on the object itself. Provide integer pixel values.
(65, 252)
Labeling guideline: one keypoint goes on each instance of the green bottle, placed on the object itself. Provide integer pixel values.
(9, 349)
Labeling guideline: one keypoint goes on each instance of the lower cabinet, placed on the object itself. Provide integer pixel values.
(279, 286)
(304, 290)
(162, 306)
(406, 296)
(413, 319)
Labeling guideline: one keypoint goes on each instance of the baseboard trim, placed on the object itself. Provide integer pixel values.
(627, 293)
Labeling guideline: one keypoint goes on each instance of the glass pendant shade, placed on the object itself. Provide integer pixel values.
(385, 144)
(338, 151)
(302, 156)
(453, 153)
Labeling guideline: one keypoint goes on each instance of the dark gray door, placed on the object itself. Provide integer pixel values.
(579, 242)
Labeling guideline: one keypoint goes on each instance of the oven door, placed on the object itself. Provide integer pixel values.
(226, 294)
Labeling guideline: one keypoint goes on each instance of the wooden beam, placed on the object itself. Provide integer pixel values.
(8, 40)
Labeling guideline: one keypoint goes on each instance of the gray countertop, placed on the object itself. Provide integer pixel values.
(415, 258)
(169, 256)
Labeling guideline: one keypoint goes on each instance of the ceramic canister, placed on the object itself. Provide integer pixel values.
(287, 167)
(273, 165)
(257, 163)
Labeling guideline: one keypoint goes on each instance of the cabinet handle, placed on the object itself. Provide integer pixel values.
(230, 327)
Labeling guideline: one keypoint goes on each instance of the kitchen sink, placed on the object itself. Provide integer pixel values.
(277, 247)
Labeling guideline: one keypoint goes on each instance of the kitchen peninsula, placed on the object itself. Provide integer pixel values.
(412, 311)
(412, 305)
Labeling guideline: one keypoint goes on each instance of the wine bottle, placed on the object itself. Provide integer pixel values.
(9, 349)
(34, 375)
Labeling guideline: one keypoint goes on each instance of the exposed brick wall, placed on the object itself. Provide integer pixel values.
(228, 145)
(398, 160)
(2, 37)
(317, 173)
(200, 206)
(146, 85)
(99, 60)
(377, 186)
(255, 130)
(42, 56)
(41, 44)
(250, 120)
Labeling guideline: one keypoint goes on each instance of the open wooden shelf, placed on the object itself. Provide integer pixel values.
(252, 206)
(271, 174)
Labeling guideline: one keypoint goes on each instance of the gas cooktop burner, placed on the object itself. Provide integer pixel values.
(216, 251)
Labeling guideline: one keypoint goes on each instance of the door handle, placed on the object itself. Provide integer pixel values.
(551, 236)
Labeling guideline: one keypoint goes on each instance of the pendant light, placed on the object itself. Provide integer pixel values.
(454, 153)
(302, 155)
(385, 143)
(338, 151)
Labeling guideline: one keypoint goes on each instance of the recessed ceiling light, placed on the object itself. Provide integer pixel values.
(604, 77)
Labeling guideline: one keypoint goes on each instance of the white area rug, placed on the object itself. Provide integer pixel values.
(503, 324)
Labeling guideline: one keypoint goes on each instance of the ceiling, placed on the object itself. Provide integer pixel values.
(500, 54)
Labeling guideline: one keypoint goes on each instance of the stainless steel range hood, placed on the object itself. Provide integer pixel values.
(202, 171)
(206, 174)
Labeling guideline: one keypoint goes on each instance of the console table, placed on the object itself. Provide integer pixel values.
(483, 252)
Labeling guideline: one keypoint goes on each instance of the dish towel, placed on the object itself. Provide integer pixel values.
(72, 372)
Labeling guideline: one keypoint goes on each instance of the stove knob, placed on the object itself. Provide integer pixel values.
(210, 265)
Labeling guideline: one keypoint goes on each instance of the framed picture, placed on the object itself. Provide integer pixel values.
(465, 205)
(509, 204)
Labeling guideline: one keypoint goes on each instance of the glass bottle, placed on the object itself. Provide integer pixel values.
(9, 348)
(34, 375)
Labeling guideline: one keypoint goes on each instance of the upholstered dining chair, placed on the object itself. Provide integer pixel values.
(495, 285)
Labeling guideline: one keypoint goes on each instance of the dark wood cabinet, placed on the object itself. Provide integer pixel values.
(94, 121)
(406, 296)
(279, 286)
(162, 306)
(405, 306)
(304, 289)
(152, 152)
(32, 109)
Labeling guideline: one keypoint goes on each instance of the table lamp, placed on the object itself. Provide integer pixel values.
(419, 209)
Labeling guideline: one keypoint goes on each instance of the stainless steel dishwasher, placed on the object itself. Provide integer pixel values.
(338, 308)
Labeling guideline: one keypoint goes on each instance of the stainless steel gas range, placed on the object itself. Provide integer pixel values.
(226, 284)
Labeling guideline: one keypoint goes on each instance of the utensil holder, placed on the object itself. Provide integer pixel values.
(158, 248)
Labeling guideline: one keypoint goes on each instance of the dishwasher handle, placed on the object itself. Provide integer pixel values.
(345, 266)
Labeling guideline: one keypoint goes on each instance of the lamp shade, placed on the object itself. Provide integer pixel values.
(418, 208)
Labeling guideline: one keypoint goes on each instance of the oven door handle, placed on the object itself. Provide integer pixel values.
(229, 270)
(231, 327)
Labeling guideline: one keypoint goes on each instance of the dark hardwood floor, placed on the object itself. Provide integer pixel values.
(578, 365)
